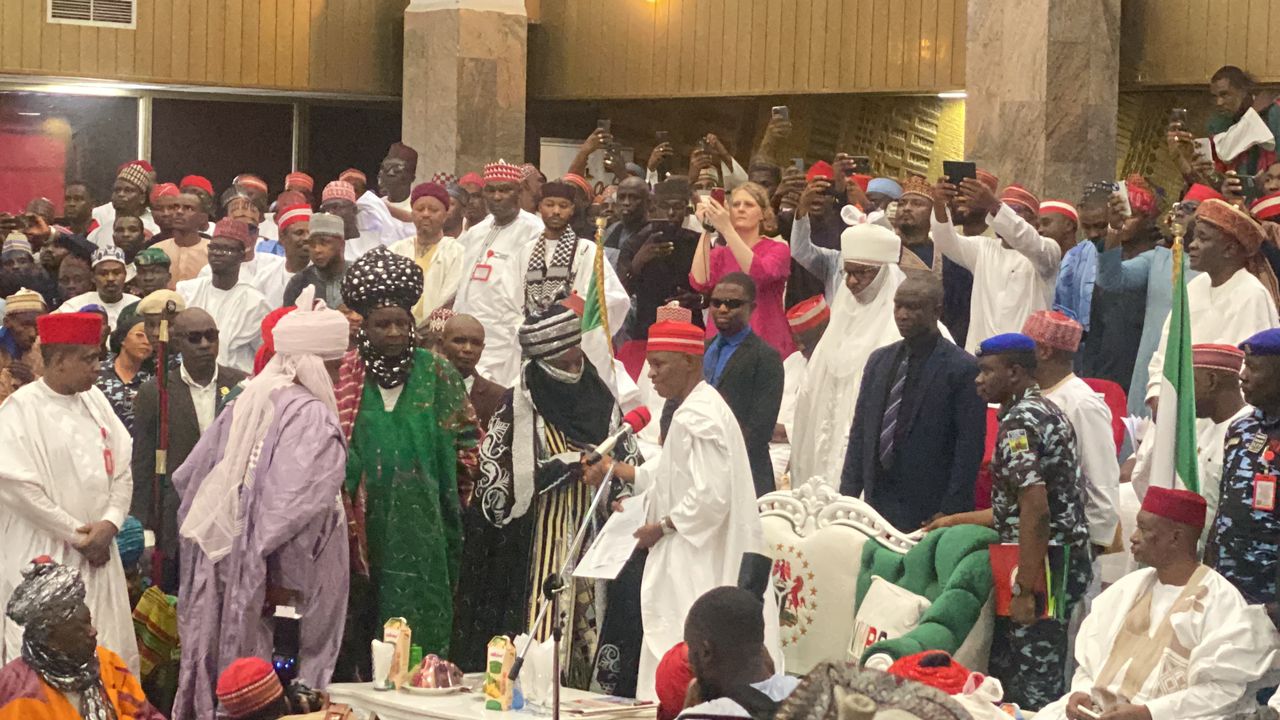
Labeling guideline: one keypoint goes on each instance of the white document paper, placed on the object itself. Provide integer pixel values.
(616, 541)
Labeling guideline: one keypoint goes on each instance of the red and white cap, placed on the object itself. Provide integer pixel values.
(681, 337)
(292, 214)
(1060, 207)
(1267, 207)
(808, 314)
(503, 171)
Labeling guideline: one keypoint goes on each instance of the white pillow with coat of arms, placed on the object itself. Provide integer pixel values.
(887, 612)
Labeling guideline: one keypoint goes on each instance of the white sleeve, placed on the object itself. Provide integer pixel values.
(1155, 368)
(120, 497)
(1045, 254)
(961, 249)
(734, 175)
(21, 489)
(1092, 423)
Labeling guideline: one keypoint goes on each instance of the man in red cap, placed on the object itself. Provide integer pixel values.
(235, 304)
(1174, 639)
(1057, 339)
(439, 255)
(1015, 273)
(129, 196)
(493, 279)
(808, 320)
(65, 480)
(701, 514)
(1228, 303)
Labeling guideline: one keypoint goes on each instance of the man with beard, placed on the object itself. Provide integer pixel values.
(108, 282)
(531, 496)
(63, 672)
(20, 360)
(439, 255)
(273, 277)
(632, 201)
(559, 263)
(129, 196)
(493, 282)
(411, 461)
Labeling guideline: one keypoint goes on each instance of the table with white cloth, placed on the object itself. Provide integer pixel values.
(402, 705)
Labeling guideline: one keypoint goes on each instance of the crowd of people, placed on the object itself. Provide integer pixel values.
(381, 401)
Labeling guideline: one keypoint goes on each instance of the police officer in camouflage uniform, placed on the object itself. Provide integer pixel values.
(1246, 532)
(1037, 501)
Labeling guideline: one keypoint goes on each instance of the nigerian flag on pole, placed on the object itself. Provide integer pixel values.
(1175, 450)
(597, 335)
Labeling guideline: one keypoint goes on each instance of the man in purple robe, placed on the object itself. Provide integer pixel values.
(261, 521)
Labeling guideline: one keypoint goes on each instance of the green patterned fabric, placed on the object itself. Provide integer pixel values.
(952, 568)
(408, 458)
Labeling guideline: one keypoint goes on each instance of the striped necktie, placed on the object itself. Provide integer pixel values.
(889, 422)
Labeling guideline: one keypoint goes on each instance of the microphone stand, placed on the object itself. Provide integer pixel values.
(552, 589)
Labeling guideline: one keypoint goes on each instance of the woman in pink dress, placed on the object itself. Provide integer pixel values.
(746, 249)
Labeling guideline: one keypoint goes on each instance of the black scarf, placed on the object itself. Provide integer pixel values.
(582, 410)
(543, 284)
(387, 370)
(65, 675)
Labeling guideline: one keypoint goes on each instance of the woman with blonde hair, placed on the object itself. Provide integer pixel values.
(743, 244)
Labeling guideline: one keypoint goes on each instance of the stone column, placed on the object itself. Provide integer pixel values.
(1042, 78)
(464, 83)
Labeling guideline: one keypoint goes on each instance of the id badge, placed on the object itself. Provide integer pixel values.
(481, 272)
(1264, 492)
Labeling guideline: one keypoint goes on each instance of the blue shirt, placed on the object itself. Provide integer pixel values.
(719, 352)
(269, 246)
(1245, 544)
(1076, 277)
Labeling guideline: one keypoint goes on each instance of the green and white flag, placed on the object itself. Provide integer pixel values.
(1175, 462)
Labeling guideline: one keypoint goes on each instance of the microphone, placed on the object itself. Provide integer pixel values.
(632, 422)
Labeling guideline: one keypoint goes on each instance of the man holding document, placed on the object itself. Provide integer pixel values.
(701, 513)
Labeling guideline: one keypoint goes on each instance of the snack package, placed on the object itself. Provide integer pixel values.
(397, 632)
(497, 685)
(435, 672)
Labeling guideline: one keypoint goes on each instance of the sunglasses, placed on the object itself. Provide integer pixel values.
(732, 303)
(194, 337)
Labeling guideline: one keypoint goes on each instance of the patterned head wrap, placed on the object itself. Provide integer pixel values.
(550, 332)
(437, 319)
(130, 541)
(381, 278)
(49, 593)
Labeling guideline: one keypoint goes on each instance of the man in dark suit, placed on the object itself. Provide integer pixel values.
(462, 342)
(919, 425)
(746, 370)
(198, 388)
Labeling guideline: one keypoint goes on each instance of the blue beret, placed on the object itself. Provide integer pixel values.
(1264, 343)
(130, 541)
(1006, 343)
(885, 186)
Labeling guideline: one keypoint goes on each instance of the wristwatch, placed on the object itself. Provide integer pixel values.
(668, 528)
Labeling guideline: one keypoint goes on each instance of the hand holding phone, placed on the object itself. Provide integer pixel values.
(1178, 119)
(861, 165)
(957, 171)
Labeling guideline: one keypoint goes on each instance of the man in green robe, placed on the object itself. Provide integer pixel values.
(411, 462)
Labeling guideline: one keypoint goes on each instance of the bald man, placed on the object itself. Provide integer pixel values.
(633, 212)
(461, 342)
(198, 389)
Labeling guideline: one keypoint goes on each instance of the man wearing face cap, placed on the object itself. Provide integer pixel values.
(129, 196)
(62, 672)
(412, 458)
(529, 498)
(1174, 639)
(260, 517)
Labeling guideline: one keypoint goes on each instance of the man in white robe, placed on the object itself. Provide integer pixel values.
(701, 502)
(237, 307)
(808, 320)
(129, 195)
(492, 285)
(1014, 274)
(108, 286)
(65, 482)
(861, 322)
(1172, 640)
(1227, 302)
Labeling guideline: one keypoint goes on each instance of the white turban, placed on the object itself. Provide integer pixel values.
(324, 333)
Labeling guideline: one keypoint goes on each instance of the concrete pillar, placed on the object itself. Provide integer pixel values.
(1042, 78)
(464, 83)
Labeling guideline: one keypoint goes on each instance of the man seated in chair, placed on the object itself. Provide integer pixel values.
(1172, 640)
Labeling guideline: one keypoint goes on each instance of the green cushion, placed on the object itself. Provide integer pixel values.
(951, 568)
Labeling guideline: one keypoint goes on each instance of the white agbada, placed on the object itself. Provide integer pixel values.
(827, 398)
(702, 482)
(374, 220)
(1009, 283)
(238, 313)
(93, 298)
(1229, 646)
(492, 290)
(794, 369)
(616, 299)
(1228, 314)
(1091, 419)
(54, 479)
(440, 283)
(264, 271)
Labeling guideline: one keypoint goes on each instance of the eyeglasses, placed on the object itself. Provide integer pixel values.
(732, 303)
(224, 250)
(195, 336)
